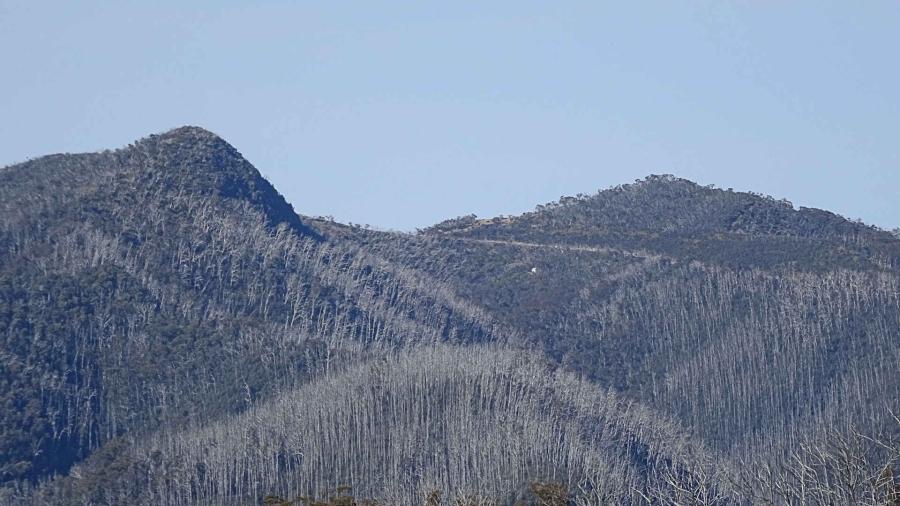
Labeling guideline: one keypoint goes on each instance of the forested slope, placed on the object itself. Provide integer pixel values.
(168, 282)
(472, 424)
(750, 322)
(675, 217)
(172, 332)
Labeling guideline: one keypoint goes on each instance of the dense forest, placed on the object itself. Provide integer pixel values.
(173, 332)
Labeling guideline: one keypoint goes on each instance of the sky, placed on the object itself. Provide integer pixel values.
(403, 114)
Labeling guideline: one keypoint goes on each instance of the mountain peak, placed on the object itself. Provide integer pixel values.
(675, 216)
(188, 139)
(187, 160)
(189, 134)
(189, 130)
(663, 179)
(196, 160)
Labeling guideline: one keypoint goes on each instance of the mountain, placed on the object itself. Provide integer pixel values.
(168, 283)
(675, 217)
(745, 319)
(172, 332)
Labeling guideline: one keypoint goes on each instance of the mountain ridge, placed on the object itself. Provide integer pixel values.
(667, 182)
(673, 216)
(191, 135)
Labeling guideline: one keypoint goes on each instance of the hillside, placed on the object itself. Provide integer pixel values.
(172, 332)
(168, 283)
(747, 320)
(465, 423)
(675, 217)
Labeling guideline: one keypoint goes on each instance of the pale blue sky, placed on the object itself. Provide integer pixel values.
(402, 114)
